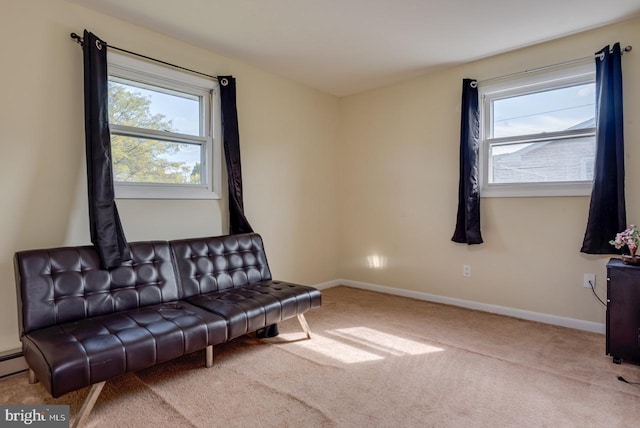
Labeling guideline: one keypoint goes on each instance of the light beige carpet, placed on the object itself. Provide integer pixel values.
(376, 361)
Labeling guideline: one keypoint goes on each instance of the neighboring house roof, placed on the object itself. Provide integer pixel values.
(589, 123)
(555, 160)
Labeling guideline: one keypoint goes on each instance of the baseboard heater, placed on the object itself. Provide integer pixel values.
(12, 362)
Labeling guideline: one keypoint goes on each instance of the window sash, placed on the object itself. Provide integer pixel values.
(202, 158)
(532, 138)
(162, 87)
(132, 131)
(537, 165)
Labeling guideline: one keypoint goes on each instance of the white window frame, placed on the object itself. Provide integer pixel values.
(530, 83)
(130, 68)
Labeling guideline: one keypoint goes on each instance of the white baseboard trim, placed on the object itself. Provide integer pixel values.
(591, 326)
(328, 284)
(12, 362)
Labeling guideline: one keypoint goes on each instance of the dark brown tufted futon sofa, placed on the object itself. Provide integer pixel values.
(81, 325)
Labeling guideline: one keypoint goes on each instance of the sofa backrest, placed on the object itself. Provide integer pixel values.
(221, 262)
(67, 284)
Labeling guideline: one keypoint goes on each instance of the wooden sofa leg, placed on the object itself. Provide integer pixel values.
(305, 326)
(209, 356)
(32, 377)
(89, 402)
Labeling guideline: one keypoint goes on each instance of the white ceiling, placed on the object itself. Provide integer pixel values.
(348, 46)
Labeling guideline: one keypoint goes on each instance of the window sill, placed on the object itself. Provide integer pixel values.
(161, 191)
(536, 190)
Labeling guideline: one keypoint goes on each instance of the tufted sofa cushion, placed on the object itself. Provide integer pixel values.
(255, 306)
(73, 355)
(219, 263)
(66, 284)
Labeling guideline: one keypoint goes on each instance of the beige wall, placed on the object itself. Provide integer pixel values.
(394, 150)
(398, 196)
(288, 136)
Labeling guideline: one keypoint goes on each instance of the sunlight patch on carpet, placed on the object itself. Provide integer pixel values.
(360, 344)
(335, 349)
(385, 342)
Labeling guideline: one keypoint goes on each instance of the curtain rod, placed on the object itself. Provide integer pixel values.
(80, 41)
(544, 67)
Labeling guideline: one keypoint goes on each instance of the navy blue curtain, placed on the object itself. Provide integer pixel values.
(468, 218)
(106, 230)
(607, 211)
(238, 222)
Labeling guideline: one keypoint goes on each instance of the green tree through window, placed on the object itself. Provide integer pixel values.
(145, 160)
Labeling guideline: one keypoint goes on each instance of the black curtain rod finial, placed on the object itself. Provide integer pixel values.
(77, 38)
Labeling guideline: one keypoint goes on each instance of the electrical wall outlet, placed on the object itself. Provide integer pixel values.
(589, 278)
(466, 271)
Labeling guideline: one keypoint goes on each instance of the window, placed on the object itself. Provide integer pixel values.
(538, 134)
(165, 133)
